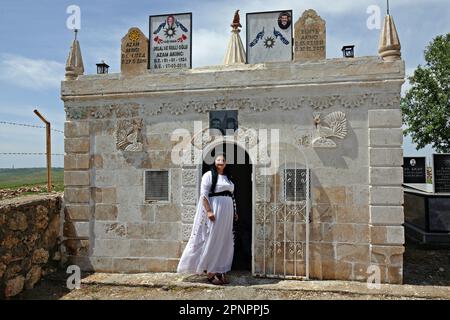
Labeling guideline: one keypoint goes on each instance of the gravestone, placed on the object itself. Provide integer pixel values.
(414, 170)
(134, 59)
(441, 173)
(310, 37)
(269, 36)
(171, 41)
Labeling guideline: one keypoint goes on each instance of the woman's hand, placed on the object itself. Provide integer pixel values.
(236, 217)
(211, 216)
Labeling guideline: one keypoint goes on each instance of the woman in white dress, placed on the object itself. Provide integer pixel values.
(210, 247)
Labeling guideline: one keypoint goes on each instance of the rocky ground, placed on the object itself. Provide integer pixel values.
(427, 276)
(19, 193)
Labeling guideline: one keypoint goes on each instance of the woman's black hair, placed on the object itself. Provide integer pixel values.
(215, 174)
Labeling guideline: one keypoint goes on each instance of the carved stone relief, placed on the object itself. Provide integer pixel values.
(129, 135)
(334, 125)
(318, 103)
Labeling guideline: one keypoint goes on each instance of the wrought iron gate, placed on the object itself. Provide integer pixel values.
(281, 224)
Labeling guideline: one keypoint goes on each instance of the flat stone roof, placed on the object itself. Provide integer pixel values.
(329, 71)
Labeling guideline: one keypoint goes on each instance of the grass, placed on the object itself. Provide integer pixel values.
(27, 177)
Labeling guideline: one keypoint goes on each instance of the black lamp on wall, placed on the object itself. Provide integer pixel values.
(102, 68)
(348, 51)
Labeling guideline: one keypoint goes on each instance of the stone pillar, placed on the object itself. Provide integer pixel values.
(77, 191)
(188, 200)
(386, 193)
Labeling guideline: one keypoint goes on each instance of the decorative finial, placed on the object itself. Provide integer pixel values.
(235, 52)
(388, 7)
(390, 47)
(236, 21)
(74, 64)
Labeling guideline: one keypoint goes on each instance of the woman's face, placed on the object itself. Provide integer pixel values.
(220, 162)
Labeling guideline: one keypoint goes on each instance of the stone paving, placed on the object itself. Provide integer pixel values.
(244, 281)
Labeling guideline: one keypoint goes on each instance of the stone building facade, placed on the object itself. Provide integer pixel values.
(339, 128)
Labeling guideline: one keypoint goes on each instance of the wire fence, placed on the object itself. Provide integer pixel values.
(28, 125)
(30, 153)
(10, 123)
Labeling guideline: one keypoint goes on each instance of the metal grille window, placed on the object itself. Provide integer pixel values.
(295, 184)
(157, 185)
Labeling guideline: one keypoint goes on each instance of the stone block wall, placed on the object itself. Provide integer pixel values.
(107, 224)
(29, 242)
(386, 192)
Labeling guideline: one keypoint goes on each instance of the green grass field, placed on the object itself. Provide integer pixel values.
(16, 178)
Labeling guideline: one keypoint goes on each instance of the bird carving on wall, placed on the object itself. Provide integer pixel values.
(333, 125)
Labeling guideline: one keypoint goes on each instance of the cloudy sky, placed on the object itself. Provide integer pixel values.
(34, 44)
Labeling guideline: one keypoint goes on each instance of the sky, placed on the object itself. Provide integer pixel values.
(35, 42)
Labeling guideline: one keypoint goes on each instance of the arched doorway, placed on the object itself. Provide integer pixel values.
(241, 171)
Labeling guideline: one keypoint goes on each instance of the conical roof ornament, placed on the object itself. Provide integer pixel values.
(235, 51)
(390, 48)
(74, 64)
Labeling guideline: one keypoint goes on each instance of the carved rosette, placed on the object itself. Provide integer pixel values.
(101, 113)
(321, 103)
(246, 137)
(354, 101)
(389, 100)
(128, 110)
(73, 113)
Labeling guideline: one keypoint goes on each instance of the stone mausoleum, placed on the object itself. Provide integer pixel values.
(323, 200)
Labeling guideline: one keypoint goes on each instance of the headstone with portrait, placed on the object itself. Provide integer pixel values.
(269, 36)
(134, 53)
(441, 173)
(310, 37)
(171, 41)
(414, 170)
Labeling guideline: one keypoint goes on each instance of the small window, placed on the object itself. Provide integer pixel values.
(295, 184)
(226, 121)
(157, 185)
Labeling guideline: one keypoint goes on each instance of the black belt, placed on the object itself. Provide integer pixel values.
(223, 193)
(226, 194)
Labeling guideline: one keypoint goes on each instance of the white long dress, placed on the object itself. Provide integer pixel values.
(211, 245)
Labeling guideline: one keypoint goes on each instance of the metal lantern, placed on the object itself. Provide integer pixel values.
(348, 51)
(102, 68)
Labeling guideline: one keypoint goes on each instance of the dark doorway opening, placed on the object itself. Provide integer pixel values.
(241, 172)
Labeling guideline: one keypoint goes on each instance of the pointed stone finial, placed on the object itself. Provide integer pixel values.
(390, 48)
(74, 64)
(236, 21)
(235, 51)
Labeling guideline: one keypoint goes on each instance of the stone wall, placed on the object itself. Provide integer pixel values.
(356, 199)
(29, 241)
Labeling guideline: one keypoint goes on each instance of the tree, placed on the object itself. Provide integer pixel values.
(426, 105)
